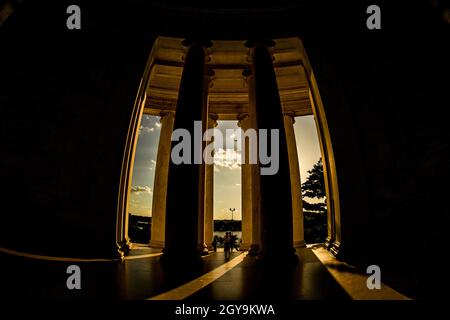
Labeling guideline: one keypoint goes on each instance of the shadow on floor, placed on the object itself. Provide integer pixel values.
(252, 280)
(144, 278)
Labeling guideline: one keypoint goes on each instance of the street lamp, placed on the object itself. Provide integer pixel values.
(232, 211)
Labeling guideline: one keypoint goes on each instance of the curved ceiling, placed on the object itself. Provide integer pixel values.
(228, 94)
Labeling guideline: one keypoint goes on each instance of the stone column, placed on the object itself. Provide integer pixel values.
(246, 190)
(275, 187)
(209, 194)
(297, 204)
(160, 184)
(251, 200)
(186, 184)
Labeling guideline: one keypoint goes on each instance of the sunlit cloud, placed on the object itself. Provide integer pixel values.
(141, 190)
(152, 165)
(144, 129)
(227, 158)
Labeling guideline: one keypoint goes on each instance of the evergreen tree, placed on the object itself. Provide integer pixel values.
(314, 186)
(315, 214)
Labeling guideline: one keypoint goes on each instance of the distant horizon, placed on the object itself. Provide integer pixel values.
(138, 215)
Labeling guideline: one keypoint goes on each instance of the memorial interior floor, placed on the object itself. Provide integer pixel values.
(141, 276)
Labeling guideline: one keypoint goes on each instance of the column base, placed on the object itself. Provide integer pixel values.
(119, 254)
(328, 243)
(253, 250)
(157, 244)
(123, 248)
(299, 244)
(335, 248)
(245, 246)
(203, 249)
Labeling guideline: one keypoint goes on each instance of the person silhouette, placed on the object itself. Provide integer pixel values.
(232, 242)
(214, 243)
(226, 243)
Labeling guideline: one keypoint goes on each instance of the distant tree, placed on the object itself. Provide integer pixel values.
(315, 214)
(319, 206)
(314, 186)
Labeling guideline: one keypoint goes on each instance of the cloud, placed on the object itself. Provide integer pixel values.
(158, 124)
(144, 129)
(141, 189)
(227, 158)
(152, 165)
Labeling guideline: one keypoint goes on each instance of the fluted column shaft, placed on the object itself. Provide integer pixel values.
(209, 194)
(251, 193)
(186, 184)
(246, 190)
(160, 182)
(297, 205)
(276, 200)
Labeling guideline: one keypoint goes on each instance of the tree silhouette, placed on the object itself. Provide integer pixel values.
(314, 186)
(315, 214)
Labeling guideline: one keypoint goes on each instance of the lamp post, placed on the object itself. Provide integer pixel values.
(232, 211)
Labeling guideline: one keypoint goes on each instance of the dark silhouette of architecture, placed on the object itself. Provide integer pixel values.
(69, 107)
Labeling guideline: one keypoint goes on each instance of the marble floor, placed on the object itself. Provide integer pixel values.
(141, 276)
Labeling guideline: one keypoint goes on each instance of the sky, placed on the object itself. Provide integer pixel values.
(144, 166)
(227, 172)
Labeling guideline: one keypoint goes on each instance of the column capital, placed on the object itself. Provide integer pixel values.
(212, 120)
(166, 114)
(210, 76)
(247, 74)
(290, 115)
(242, 117)
(191, 42)
(269, 44)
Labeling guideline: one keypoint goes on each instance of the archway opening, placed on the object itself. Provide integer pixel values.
(227, 185)
(229, 99)
(312, 180)
(143, 177)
